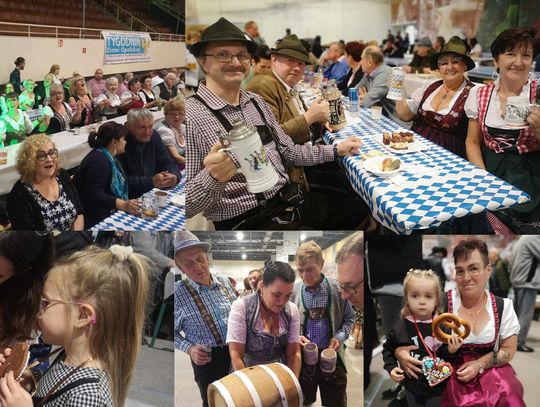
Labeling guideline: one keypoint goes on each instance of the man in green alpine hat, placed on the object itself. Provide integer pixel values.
(214, 186)
(279, 91)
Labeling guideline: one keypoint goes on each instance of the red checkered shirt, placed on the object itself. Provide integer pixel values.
(526, 141)
(221, 201)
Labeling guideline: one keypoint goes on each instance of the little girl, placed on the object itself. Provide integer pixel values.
(93, 306)
(422, 293)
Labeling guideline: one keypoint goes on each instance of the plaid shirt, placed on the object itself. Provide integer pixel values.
(318, 329)
(217, 298)
(221, 201)
(526, 141)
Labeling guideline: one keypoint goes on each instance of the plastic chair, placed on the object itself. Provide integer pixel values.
(168, 290)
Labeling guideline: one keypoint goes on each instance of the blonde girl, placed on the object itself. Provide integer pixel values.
(93, 306)
(422, 301)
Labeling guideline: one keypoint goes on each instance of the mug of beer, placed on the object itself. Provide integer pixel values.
(328, 361)
(246, 146)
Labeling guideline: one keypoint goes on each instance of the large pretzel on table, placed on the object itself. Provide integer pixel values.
(452, 322)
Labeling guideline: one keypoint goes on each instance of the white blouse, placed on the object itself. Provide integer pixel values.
(418, 94)
(494, 116)
(509, 321)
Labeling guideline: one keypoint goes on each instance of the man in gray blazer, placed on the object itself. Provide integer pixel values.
(373, 87)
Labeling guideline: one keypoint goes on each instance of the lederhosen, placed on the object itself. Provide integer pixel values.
(284, 207)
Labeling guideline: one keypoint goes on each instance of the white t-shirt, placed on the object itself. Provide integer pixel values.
(494, 117)
(509, 321)
(237, 329)
(418, 94)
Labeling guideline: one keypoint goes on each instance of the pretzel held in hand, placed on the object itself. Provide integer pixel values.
(452, 322)
(16, 361)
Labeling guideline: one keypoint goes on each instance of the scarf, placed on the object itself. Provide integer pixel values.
(119, 186)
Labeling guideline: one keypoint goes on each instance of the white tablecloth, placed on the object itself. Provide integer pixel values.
(72, 147)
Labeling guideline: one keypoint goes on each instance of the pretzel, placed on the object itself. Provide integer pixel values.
(452, 322)
(16, 361)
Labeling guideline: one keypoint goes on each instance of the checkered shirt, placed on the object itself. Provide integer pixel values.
(190, 327)
(526, 141)
(317, 329)
(221, 201)
(85, 395)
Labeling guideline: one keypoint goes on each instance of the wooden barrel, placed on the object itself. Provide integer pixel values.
(272, 385)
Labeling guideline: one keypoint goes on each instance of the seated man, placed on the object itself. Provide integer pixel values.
(335, 61)
(373, 87)
(96, 85)
(213, 185)
(167, 89)
(300, 123)
(421, 58)
(146, 161)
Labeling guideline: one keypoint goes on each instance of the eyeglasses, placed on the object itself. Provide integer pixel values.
(227, 57)
(350, 290)
(56, 93)
(445, 62)
(473, 270)
(178, 114)
(42, 155)
(46, 303)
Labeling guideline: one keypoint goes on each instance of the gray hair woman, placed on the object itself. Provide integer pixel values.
(109, 102)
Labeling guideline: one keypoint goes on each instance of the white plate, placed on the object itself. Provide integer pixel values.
(415, 146)
(374, 165)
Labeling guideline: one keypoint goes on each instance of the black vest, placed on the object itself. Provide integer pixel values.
(165, 94)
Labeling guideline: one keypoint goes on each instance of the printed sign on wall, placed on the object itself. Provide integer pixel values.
(125, 47)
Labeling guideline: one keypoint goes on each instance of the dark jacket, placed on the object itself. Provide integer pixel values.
(15, 79)
(344, 88)
(25, 213)
(141, 161)
(93, 182)
(164, 92)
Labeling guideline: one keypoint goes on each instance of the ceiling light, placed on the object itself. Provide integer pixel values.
(244, 256)
(239, 235)
(302, 237)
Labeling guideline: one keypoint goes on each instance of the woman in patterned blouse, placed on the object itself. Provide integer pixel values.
(62, 117)
(44, 198)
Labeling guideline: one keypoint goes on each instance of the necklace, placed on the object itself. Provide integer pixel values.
(448, 90)
(471, 311)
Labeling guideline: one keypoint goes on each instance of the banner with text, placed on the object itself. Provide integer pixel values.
(125, 47)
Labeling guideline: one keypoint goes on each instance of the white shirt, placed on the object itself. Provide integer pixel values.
(113, 97)
(416, 98)
(494, 116)
(296, 99)
(509, 321)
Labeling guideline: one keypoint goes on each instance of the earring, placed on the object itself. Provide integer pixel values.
(93, 321)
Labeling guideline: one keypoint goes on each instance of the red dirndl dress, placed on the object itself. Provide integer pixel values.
(497, 386)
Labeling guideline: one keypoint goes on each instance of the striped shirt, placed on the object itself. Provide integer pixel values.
(190, 326)
(221, 201)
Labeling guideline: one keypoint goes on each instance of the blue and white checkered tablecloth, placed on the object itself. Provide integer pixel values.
(170, 218)
(439, 186)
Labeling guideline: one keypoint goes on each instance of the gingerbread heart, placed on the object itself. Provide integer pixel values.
(435, 371)
(16, 361)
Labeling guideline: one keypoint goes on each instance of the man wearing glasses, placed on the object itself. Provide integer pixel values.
(350, 270)
(327, 321)
(213, 185)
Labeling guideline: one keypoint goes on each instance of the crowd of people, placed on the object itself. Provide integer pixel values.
(453, 112)
(125, 162)
(274, 321)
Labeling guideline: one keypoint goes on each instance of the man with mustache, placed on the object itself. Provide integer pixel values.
(213, 185)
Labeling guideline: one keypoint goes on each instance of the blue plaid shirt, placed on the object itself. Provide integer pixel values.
(190, 327)
(318, 330)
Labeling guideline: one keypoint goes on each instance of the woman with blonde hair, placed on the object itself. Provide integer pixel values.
(172, 131)
(55, 72)
(27, 98)
(93, 306)
(80, 99)
(44, 198)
